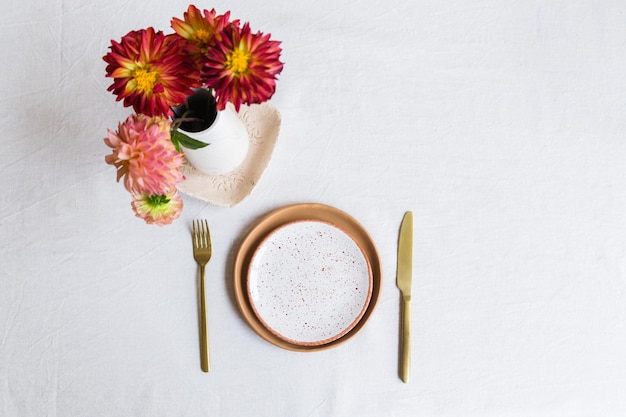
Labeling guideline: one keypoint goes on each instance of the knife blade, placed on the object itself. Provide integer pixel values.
(403, 282)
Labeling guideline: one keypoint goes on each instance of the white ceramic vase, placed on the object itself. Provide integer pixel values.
(228, 144)
(224, 132)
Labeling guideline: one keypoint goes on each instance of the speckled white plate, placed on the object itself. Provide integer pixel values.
(263, 124)
(257, 237)
(309, 282)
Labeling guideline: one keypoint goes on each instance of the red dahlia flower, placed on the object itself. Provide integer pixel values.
(242, 67)
(201, 29)
(150, 71)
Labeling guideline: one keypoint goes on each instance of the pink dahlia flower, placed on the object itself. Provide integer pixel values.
(159, 209)
(144, 155)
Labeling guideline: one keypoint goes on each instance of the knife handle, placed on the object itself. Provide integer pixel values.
(405, 340)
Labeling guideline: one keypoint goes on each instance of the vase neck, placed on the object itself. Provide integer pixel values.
(200, 106)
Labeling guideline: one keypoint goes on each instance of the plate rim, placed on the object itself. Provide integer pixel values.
(344, 330)
(286, 214)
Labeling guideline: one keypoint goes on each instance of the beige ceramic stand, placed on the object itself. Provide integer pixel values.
(262, 121)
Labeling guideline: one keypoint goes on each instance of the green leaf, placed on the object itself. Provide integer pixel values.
(180, 139)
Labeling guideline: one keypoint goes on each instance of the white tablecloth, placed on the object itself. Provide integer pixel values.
(499, 124)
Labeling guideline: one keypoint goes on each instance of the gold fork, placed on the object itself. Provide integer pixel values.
(202, 254)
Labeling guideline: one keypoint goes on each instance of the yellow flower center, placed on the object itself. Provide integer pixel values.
(145, 79)
(201, 37)
(238, 61)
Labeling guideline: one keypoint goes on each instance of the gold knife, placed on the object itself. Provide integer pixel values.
(403, 281)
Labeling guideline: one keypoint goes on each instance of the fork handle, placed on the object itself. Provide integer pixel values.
(204, 330)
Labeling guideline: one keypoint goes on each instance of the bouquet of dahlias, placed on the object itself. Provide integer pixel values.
(153, 72)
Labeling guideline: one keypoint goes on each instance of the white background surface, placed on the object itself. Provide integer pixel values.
(500, 124)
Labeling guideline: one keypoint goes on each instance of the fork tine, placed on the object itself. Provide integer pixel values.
(201, 234)
(206, 234)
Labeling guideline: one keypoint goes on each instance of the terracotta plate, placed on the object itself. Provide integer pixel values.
(306, 221)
